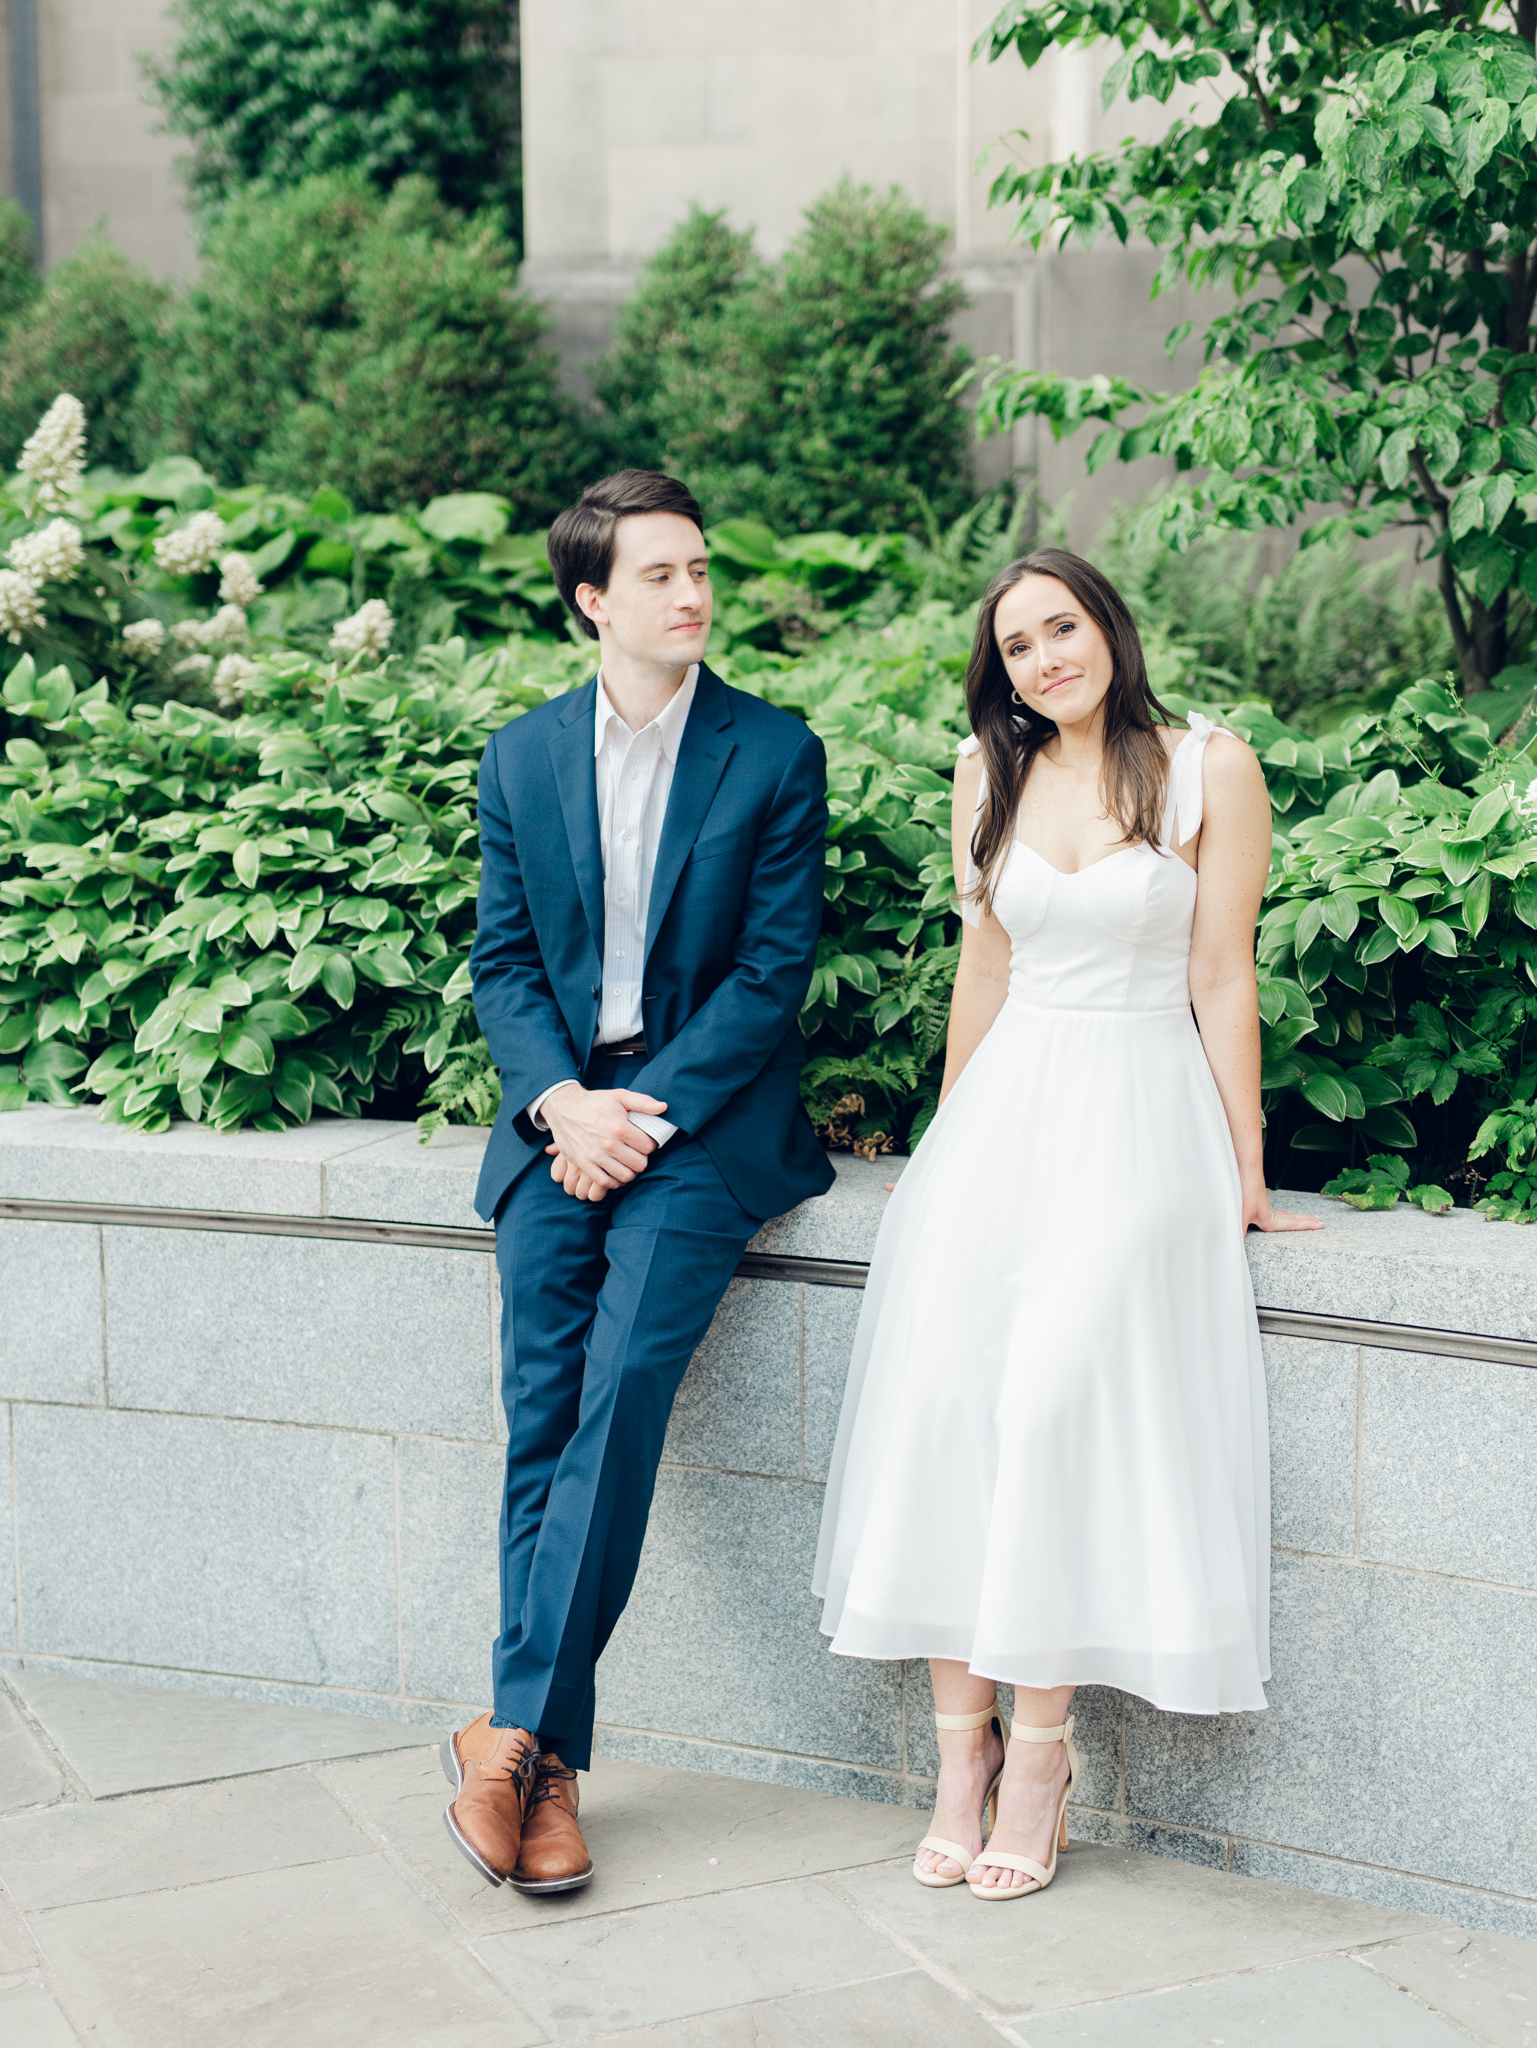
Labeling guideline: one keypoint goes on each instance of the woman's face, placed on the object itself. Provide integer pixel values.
(1056, 657)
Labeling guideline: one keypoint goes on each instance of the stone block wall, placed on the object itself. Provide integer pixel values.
(269, 1466)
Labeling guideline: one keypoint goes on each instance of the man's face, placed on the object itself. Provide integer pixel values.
(657, 605)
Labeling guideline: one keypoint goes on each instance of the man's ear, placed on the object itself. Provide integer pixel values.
(590, 601)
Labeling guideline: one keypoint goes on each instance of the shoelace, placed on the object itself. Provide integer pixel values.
(547, 1773)
(520, 1764)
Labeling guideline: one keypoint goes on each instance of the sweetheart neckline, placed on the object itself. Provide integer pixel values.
(1069, 874)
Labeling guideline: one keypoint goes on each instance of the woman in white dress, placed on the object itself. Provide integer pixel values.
(1052, 1466)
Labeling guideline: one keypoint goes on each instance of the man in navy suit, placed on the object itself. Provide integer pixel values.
(650, 901)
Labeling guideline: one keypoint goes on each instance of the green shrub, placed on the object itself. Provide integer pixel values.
(667, 334)
(381, 344)
(240, 344)
(812, 394)
(19, 281)
(439, 381)
(275, 91)
(86, 331)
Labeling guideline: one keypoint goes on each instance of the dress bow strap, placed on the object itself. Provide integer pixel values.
(1182, 807)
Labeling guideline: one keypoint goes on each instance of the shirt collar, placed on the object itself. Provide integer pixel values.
(669, 722)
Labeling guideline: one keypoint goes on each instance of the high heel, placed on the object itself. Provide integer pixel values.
(953, 1850)
(1039, 1874)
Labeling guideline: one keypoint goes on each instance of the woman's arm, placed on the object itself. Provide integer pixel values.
(982, 978)
(1232, 863)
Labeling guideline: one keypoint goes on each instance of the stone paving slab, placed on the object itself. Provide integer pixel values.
(1332, 2003)
(131, 1738)
(910, 2011)
(73, 1854)
(653, 1835)
(29, 2018)
(621, 1970)
(28, 1774)
(322, 1905)
(1172, 1922)
(1485, 1982)
(333, 1955)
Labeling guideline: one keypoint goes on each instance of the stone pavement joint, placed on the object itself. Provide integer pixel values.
(726, 1913)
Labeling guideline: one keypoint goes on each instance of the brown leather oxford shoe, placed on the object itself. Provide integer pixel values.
(492, 1772)
(553, 1856)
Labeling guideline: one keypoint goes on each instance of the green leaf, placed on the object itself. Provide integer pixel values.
(338, 980)
(466, 515)
(1440, 938)
(1399, 916)
(1475, 905)
(248, 1047)
(248, 862)
(1389, 1126)
(1326, 1095)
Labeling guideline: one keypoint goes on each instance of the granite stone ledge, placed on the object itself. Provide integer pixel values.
(1454, 1272)
(425, 1713)
(1449, 1466)
(761, 1766)
(1312, 1404)
(8, 1636)
(207, 1545)
(398, 1179)
(721, 1637)
(293, 1329)
(1402, 1716)
(50, 1313)
(72, 1156)
(1491, 1911)
(738, 1407)
(450, 1498)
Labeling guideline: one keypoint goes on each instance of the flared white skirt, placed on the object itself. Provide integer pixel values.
(1053, 1462)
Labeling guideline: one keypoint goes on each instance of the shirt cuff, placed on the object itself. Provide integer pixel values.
(539, 1101)
(654, 1126)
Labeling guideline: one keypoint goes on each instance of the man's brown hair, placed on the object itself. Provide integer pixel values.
(581, 543)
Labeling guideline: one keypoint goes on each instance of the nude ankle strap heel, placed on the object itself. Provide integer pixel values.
(1039, 1874)
(953, 1850)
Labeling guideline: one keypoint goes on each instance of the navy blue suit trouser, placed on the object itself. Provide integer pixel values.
(603, 1305)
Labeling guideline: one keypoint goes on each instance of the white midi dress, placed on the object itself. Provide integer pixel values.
(1053, 1458)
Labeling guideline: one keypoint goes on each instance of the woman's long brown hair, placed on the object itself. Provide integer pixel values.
(1135, 773)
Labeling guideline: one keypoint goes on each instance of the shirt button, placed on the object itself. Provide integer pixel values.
(621, 895)
(627, 836)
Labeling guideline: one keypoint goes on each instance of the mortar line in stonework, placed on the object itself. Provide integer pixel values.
(106, 1669)
(931, 1967)
(800, 1376)
(400, 1623)
(1404, 1571)
(10, 1409)
(106, 1355)
(1360, 1436)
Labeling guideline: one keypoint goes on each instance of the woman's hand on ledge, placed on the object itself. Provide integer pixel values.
(1258, 1215)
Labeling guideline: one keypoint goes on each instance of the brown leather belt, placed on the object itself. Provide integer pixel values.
(632, 1048)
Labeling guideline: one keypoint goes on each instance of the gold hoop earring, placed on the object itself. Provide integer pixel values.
(1016, 696)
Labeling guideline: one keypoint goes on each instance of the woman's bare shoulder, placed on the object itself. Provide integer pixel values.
(968, 777)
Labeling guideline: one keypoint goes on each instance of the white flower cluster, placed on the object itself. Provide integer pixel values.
(144, 637)
(239, 583)
(227, 623)
(51, 556)
(192, 548)
(194, 665)
(230, 679)
(21, 609)
(367, 631)
(54, 456)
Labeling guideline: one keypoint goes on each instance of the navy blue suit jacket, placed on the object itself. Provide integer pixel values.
(731, 934)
